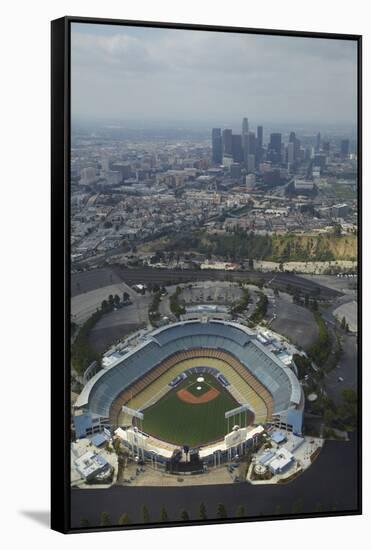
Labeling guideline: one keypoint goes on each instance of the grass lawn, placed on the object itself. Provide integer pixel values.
(183, 423)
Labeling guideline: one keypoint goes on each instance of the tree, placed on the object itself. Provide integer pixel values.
(126, 296)
(240, 512)
(105, 519)
(343, 323)
(163, 514)
(202, 511)
(117, 445)
(297, 506)
(84, 522)
(184, 516)
(116, 299)
(145, 514)
(221, 511)
(124, 519)
(337, 229)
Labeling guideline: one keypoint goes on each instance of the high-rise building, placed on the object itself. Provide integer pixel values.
(245, 147)
(248, 145)
(259, 144)
(251, 163)
(344, 147)
(237, 151)
(216, 143)
(245, 126)
(235, 170)
(293, 139)
(88, 176)
(252, 143)
(250, 181)
(124, 168)
(291, 152)
(227, 142)
(318, 142)
(326, 146)
(275, 147)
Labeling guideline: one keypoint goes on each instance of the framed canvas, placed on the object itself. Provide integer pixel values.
(206, 237)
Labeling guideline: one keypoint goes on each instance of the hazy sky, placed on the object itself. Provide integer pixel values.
(138, 73)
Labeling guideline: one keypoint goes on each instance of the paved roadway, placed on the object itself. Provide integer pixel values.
(98, 278)
(330, 484)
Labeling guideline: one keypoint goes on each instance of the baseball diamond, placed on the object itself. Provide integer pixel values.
(185, 376)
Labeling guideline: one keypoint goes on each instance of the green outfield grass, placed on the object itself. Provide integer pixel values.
(183, 423)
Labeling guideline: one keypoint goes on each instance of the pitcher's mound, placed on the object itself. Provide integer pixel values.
(188, 397)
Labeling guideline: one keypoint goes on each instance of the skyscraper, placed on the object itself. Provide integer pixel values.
(245, 125)
(252, 143)
(259, 144)
(260, 137)
(326, 147)
(275, 147)
(290, 152)
(296, 145)
(237, 151)
(318, 142)
(344, 147)
(216, 143)
(245, 146)
(227, 142)
(251, 163)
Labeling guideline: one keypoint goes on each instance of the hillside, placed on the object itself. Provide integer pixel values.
(242, 245)
(313, 248)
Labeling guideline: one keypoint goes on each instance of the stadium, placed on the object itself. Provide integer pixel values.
(204, 386)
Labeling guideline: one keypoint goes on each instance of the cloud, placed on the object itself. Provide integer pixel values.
(128, 72)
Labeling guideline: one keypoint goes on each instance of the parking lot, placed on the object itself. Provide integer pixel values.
(295, 322)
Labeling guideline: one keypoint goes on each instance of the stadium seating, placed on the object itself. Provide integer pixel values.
(257, 375)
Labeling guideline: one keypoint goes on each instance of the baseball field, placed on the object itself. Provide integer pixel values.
(192, 413)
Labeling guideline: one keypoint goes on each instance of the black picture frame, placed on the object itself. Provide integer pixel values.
(60, 271)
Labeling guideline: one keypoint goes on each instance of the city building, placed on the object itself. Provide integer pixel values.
(216, 142)
(227, 142)
(237, 151)
(275, 147)
(344, 147)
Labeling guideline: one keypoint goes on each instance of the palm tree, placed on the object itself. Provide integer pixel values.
(184, 516)
(202, 511)
(221, 511)
(163, 514)
(319, 507)
(240, 512)
(124, 519)
(105, 519)
(297, 506)
(84, 522)
(145, 514)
